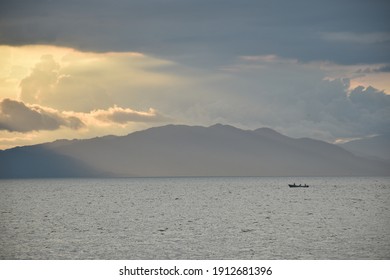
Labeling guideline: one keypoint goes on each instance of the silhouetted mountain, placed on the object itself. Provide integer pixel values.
(178, 150)
(374, 147)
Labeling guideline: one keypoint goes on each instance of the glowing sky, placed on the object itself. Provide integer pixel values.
(80, 70)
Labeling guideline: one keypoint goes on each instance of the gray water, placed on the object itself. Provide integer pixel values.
(195, 218)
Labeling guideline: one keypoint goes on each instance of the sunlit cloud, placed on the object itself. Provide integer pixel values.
(125, 115)
(82, 81)
(16, 116)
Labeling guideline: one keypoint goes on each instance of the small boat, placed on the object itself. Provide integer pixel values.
(298, 186)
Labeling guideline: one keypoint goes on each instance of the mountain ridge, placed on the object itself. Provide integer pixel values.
(376, 147)
(181, 150)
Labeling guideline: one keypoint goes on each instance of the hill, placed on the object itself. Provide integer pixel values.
(374, 147)
(179, 150)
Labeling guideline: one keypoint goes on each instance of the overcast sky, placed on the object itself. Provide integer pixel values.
(80, 69)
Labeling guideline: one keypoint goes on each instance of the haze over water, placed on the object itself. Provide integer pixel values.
(195, 218)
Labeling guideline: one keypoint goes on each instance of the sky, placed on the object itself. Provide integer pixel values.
(82, 69)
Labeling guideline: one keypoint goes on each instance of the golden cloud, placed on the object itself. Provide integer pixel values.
(125, 115)
(16, 116)
(71, 80)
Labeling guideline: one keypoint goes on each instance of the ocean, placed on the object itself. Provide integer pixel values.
(195, 218)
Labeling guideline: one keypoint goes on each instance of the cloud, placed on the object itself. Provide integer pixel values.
(41, 81)
(299, 99)
(357, 38)
(334, 108)
(206, 32)
(385, 68)
(373, 109)
(18, 117)
(370, 99)
(49, 85)
(82, 82)
(381, 69)
(125, 115)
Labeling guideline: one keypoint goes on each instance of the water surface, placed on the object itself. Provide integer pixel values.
(195, 218)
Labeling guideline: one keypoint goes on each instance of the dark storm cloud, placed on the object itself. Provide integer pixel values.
(16, 116)
(206, 31)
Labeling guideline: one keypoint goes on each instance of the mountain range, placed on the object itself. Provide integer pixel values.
(376, 147)
(180, 150)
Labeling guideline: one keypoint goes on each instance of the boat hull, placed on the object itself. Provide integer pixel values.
(298, 186)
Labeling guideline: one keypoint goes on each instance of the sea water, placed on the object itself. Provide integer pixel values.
(195, 218)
